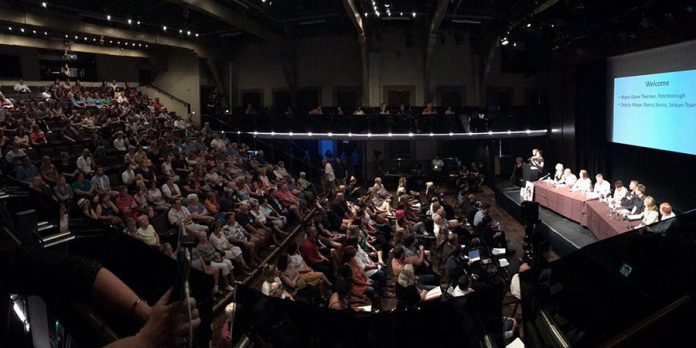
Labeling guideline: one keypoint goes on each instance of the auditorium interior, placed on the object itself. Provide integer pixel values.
(335, 173)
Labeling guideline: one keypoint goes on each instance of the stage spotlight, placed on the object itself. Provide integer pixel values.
(108, 17)
(330, 134)
(290, 134)
(309, 134)
(188, 33)
(10, 28)
(44, 5)
(34, 32)
(350, 134)
(164, 28)
(390, 134)
(451, 134)
(138, 22)
(413, 14)
(45, 33)
(196, 34)
(130, 21)
(529, 25)
(431, 134)
(410, 134)
(180, 31)
(22, 29)
(369, 135)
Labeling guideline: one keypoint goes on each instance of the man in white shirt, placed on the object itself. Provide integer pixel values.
(584, 183)
(218, 143)
(120, 143)
(85, 162)
(128, 175)
(21, 87)
(568, 178)
(619, 191)
(602, 186)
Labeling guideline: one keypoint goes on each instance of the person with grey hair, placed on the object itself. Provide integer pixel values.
(198, 210)
(146, 232)
(407, 293)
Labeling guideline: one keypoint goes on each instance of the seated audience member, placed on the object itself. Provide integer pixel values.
(666, 211)
(359, 112)
(650, 213)
(37, 136)
(316, 111)
(65, 166)
(481, 219)
(170, 190)
(85, 163)
(27, 171)
(48, 171)
(107, 211)
(14, 155)
(21, 138)
(146, 232)
(272, 285)
(180, 216)
(601, 187)
(62, 191)
(407, 293)
(457, 264)
(568, 178)
(310, 251)
(228, 251)
(463, 287)
(619, 191)
(429, 109)
(83, 188)
(21, 87)
(237, 235)
(131, 228)
(583, 184)
(339, 298)
(155, 197)
(128, 176)
(126, 204)
(5, 103)
(214, 258)
(383, 109)
(102, 183)
(449, 111)
(198, 210)
(300, 287)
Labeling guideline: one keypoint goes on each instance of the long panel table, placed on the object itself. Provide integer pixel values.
(576, 206)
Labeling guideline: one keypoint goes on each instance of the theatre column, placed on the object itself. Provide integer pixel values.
(433, 31)
(354, 16)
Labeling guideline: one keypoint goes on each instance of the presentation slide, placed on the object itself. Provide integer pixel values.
(656, 111)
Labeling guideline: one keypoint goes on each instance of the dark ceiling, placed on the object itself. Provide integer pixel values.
(552, 23)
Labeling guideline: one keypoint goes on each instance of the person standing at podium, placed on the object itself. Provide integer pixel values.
(537, 160)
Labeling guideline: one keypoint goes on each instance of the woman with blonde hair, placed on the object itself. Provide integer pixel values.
(407, 293)
(650, 213)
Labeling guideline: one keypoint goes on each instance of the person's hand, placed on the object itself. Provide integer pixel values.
(167, 325)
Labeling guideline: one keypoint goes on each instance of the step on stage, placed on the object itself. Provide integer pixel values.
(564, 235)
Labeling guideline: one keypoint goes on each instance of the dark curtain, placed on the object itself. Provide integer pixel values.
(591, 117)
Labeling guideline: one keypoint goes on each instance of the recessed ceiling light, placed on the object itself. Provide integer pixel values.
(33, 31)
(22, 30)
(130, 21)
(44, 5)
(164, 28)
(138, 22)
(188, 33)
(196, 34)
(413, 14)
(108, 17)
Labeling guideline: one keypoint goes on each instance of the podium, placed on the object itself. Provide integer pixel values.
(530, 173)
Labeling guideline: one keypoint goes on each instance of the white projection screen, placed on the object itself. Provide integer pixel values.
(652, 98)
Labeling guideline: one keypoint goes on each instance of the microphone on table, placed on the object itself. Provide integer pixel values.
(544, 177)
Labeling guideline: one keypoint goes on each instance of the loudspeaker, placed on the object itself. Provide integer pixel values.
(530, 211)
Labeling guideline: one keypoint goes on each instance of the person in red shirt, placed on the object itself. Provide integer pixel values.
(126, 204)
(157, 105)
(288, 200)
(311, 254)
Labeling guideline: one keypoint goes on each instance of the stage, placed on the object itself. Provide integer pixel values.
(564, 235)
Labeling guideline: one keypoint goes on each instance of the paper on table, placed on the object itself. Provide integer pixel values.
(498, 251)
(503, 262)
(517, 343)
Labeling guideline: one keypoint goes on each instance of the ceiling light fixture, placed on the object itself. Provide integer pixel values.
(34, 31)
(138, 22)
(22, 29)
(413, 14)
(44, 4)
(164, 28)
(188, 33)
(196, 34)
(130, 21)
(108, 17)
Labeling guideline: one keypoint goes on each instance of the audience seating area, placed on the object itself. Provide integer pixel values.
(127, 165)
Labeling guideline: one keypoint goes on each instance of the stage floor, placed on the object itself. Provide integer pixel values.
(564, 235)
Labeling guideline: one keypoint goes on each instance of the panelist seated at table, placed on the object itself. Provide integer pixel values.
(558, 175)
(537, 160)
(583, 184)
(601, 186)
(649, 214)
(627, 200)
(667, 221)
(568, 178)
(636, 204)
(619, 191)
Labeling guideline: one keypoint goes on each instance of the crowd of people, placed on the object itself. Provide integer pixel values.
(131, 165)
